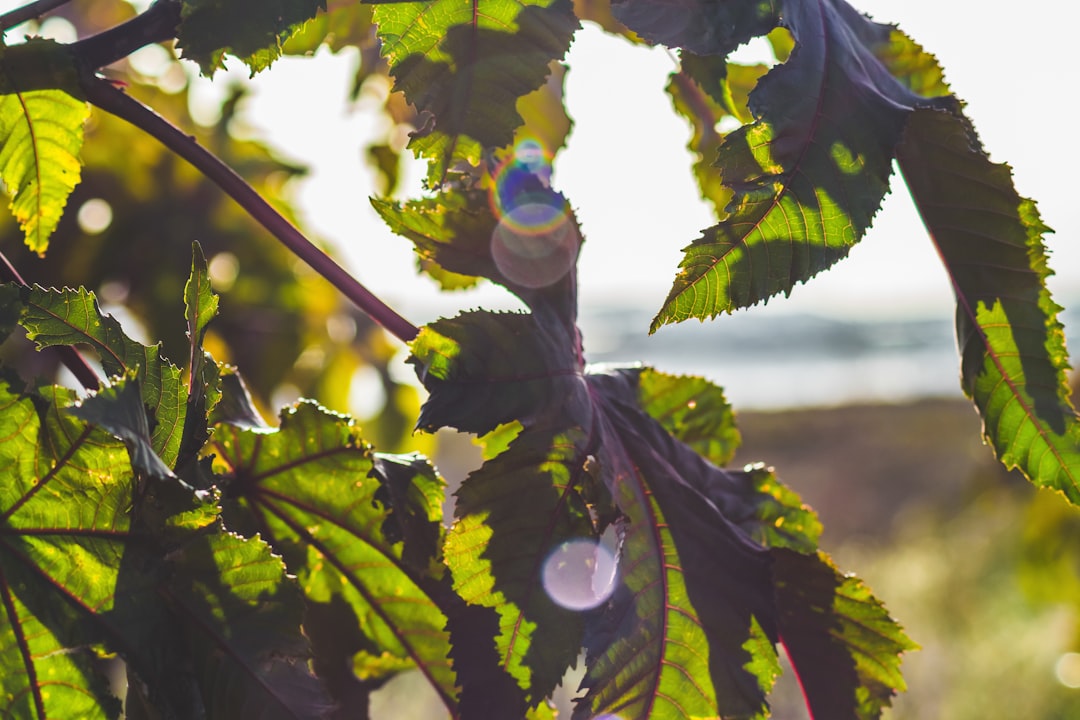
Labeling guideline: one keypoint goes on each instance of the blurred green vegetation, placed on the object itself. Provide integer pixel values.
(981, 568)
(127, 231)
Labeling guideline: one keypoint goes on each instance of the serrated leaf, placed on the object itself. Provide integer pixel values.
(519, 234)
(241, 615)
(118, 409)
(705, 91)
(349, 529)
(704, 27)
(252, 30)
(41, 134)
(1012, 345)
(693, 410)
(539, 471)
(63, 530)
(82, 569)
(841, 641)
(465, 65)
(808, 175)
(72, 317)
(341, 26)
(450, 354)
(584, 439)
(204, 376)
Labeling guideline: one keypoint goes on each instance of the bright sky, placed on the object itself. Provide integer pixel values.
(626, 170)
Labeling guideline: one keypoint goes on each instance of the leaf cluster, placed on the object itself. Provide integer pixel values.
(244, 570)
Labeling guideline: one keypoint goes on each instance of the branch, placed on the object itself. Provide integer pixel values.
(158, 24)
(71, 357)
(113, 100)
(28, 12)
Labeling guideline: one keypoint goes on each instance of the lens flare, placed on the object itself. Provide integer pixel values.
(529, 258)
(579, 574)
(534, 243)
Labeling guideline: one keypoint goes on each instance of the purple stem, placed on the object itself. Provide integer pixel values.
(106, 96)
(28, 12)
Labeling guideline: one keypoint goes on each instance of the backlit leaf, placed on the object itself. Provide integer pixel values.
(41, 134)
(353, 527)
(118, 409)
(693, 410)
(72, 317)
(241, 616)
(610, 458)
(252, 30)
(705, 91)
(63, 530)
(808, 175)
(841, 641)
(465, 65)
(1012, 346)
(691, 578)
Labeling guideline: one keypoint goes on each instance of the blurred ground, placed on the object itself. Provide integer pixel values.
(980, 567)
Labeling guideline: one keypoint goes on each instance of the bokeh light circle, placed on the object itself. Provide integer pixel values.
(529, 258)
(579, 574)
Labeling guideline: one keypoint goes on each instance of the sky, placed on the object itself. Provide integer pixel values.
(626, 169)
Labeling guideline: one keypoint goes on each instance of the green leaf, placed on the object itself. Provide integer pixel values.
(450, 354)
(252, 30)
(693, 410)
(465, 65)
(691, 580)
(705, 91)
(841, 641)
(519, 233)
(118, 409)
(63, 530)
(536, 639)
(41, 134)
(241, 615)
(88, 564)
(808, 175)
(613, 458)
(72, 317)
(353, 527)
(204, 376)
(341, 26)
(1012, 346)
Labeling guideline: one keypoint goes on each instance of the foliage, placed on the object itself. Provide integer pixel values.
(244, 570)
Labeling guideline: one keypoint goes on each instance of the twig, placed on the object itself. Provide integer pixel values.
(158, 24)
(28, 12)
(113, 100)
(71, 357)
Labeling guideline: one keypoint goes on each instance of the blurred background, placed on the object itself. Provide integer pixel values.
(849, 388)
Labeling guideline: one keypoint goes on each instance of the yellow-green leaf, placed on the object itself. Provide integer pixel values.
(41, 133)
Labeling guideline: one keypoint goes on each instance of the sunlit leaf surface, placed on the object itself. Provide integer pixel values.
(1012, 346)
(601, 459)
(252, 30)
(464, 65)
(808, 175)
(41, 134)
(354, 527)
(72, 317)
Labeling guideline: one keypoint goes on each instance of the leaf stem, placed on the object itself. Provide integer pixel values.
(28, 12)
(70, 356)
(104, 95)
